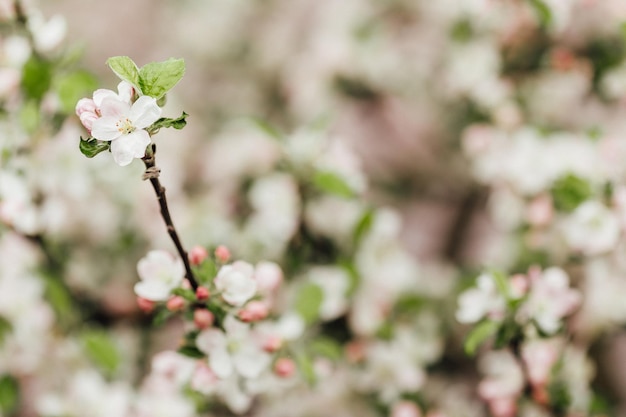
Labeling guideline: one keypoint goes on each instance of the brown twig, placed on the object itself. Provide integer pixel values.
(152, 174)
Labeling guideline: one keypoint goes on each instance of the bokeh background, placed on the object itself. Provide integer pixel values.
(474, 129)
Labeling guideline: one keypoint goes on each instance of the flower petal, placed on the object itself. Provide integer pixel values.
(152, 290)
(144, 112)
(100, 94)
(114, 107)
(221, 363)
(130, 146)
(105, 128)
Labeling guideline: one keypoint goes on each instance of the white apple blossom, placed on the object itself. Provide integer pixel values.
(160, 273)
(234, 350)
(484, 300)
(550, 299)
(591, 229)
(236, 283)
(124, 125)
(334, 283)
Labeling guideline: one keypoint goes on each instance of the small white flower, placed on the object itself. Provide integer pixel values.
(160, 273)
(550, 299)
(236, 283)
(592, 228)
(485, 300)
(233, 350)
(124, 125)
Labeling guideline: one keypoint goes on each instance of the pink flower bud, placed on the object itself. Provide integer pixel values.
(203, 318)
(254, 311)
(272, 344)
(197, 255)
(175, 303)
(85, 105)
(268, 276)
(222, 253)
(284, 367)
(186, 284)
(202, 293)
(145, 305)
(87, 119)
(405, 409)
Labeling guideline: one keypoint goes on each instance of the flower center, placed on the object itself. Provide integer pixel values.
(125, 126)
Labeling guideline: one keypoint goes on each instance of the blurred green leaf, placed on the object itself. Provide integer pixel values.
(126, 69)
(9, 394)
(5, 329)
(30, 116)
(191, 351)
(205, 272)
(327, 347)
(157, 78)
(308, 302)
(544, 14)
(186, 293)
(305, 366)
(363, 225)
(478, 335)
(36, 78)
(91, 147)
(101, 349)
(332, 183)
(74, 86)
(569, 192)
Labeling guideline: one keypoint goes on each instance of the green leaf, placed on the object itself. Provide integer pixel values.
(186, 293)
(569, 192)
(305, 367)
(177, 123)
(162, 316)
(266, 128)
(480, 333)
(74, 86)
(308, 302)
(364, 225)
(30, 116)
(333, 184)
(157, 78)
(91, 147)
(9, 394)
(327, 347)
(501, 283)
(99, 347)
(5, 329)
(205, 272)
(36, 78)
(126, 69)
(544, 14)
(191, 351)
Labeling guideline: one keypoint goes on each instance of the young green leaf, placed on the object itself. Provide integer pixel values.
(101, 349)
(36, 78)
(157, 78)
(125, 68)
(91, 147)
(333, 184)
(9, 394)
(308, 302)
(478, 335)
(177, 123)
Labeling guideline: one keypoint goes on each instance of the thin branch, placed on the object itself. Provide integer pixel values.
(152, 174)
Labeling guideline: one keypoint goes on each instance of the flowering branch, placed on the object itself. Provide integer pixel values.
(152, 173)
